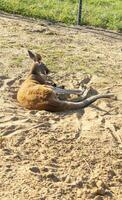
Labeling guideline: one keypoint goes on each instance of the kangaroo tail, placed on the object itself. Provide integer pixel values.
(56, 105)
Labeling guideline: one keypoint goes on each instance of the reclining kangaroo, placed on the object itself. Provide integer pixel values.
(36, 93)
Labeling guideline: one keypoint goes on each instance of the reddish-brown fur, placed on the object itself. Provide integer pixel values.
(36, 94)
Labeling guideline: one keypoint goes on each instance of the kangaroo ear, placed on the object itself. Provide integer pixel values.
(32, 56)
(38, 57)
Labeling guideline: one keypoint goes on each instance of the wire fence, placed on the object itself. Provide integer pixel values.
(99, 13)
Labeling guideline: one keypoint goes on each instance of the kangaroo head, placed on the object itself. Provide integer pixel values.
(39, 66)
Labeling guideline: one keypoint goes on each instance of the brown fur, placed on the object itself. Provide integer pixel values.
(36, 94)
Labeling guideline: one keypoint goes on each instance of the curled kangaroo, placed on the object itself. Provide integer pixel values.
(37, 93)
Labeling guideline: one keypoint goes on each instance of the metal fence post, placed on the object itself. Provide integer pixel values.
(79, 12)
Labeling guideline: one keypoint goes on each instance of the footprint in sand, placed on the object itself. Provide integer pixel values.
(13, 124)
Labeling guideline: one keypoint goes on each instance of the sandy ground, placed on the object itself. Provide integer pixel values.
(61, 156)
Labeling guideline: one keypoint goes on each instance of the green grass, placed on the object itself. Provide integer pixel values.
(99, 13)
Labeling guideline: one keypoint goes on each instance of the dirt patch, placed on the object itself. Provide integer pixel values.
(74, 155)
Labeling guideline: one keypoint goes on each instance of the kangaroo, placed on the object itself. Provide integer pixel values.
(36, 93)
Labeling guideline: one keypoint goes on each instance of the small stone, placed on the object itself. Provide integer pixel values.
(120, 147)
(45, 169)
(8, 166)
(8, 170)
(54, 160)
(98, 197)
(68, 179)
(111, 173)
(52, 177)
(63, 177)
(92, 193)
(79, 193)
(93, 183)
(7, 151)
(100, 191)
(108, 193)
(103, 120)
(79, 184)
(101, 184)
(35, 169)
(96, 191)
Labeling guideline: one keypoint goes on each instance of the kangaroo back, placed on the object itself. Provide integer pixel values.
(34, 96)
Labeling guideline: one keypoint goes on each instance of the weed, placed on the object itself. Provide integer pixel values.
(99, 13)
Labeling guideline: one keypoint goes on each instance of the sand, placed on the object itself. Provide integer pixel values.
(61, 156)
